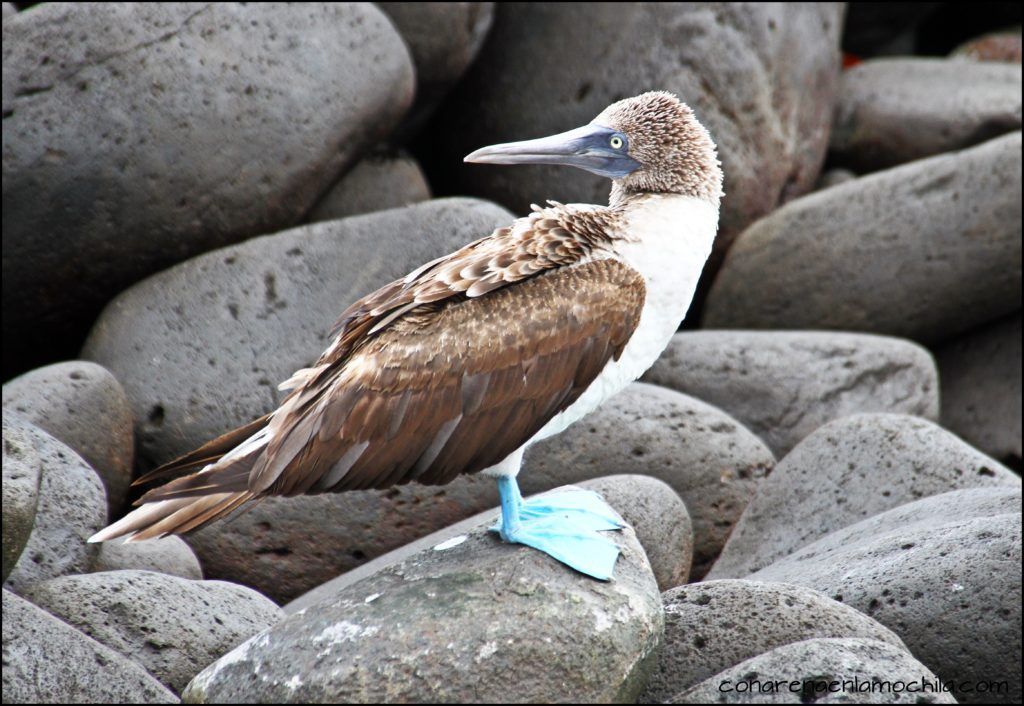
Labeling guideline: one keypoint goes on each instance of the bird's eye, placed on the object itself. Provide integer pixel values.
(616, 142)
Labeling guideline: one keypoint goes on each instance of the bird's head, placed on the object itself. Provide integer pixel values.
(651, 143)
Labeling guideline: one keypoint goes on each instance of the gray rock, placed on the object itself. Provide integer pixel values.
(443, 38)
(48, 661)
(814, 671)
(892, 111)
(169, 555)
(785, 384)
(715, 625)
(81, 404)
(848, 470)
(995, 46)
(9, 10)
(194, 127)
(981, 388)
(171, 626)
(474, 619)
(72, 507)
(22, 469)
(943, 573)
(870, 254)
(834, 177)
(377, 183)
(201, 348)
(774, 65)
(649, 506)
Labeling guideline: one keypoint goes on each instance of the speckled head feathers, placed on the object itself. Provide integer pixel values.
(676, 152)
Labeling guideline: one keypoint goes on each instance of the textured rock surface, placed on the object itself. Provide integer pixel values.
(715, 625)
(171, 626)
(283, 98)
(9, 10)
(472, 620)
(48, 661)
(892, 111)
(785, 384)
(774, 65)
(834, 177)
(848, 470)
(997, 46)
(81, 404)
(981, 388)
(169, 555)
(648, 505)
(201, 348)
(868, 255)
(22, 469)
(944, 573)
(805, 670)
(377, 183)
(72, 506)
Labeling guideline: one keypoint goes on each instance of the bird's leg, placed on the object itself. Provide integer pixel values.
(563, 525)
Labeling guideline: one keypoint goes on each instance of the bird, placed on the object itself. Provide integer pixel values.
(469, 359)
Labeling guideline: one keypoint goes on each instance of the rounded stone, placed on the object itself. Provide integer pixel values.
(943, 573)
(995, 46)
(378, 182)
(48, 661)
(72, 507)
(846, 471)
(194, 127)
(83, 405)
(818, 671)
(469, 620)
(22, 468)
(714, 625)
(892, 111)
(171, 626)
(926, 250)
(168, 555)
(785, 384)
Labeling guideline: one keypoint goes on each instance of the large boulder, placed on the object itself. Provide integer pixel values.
(83, 405)
(48, 661)
(473, 619)
(848, 470)
(761, 77)
(714, 625)
(201, 348)
(22, 469)
(72, 507)
(380, 181)
(925, 250)
(785, 384)
(171, 626)
(943, 573)
(981, 388)
(892, 111)
(138, 135)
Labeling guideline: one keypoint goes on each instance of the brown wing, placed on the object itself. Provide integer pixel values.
(456, 387)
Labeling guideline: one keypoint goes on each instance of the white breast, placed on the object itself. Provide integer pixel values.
(668, 240)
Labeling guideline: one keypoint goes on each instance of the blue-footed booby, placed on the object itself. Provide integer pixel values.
(465, 362)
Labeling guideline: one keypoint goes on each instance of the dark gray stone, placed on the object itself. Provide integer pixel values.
(474, 619)
(925, 250)
(943, 573)
(715, 625)
(761, 77)
(72, 507)
(981, 388)
(892, 111)
(171, 626)
(651, 508)
(201, 348)
(83, 405)
(48, 661)
(846, 471)
(377, 183)
(138, 135)
(804, 672)
(785, 384)
(22, 469)
(169, 555)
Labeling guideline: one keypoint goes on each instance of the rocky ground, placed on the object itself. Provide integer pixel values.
(820, 475)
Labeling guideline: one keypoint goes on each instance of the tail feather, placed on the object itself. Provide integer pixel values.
(176, 516)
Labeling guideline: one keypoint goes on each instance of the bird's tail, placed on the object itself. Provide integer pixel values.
(192, 500)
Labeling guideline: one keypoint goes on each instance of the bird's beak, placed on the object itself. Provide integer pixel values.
(588, 147)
